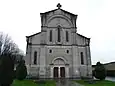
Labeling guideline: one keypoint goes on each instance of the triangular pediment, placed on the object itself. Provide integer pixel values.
(58, 12)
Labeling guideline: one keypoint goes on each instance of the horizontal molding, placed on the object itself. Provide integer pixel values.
(57, 45)
(61, 27)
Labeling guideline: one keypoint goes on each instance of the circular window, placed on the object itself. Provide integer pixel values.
(50, 51)
(67, 51)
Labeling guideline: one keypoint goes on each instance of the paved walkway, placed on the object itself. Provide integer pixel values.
(110, 79)
(66, 82)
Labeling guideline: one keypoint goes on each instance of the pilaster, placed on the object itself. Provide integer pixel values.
(42, 71)
(75, 61)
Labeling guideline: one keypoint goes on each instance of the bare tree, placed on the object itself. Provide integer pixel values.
(8, 53)
(7, 46)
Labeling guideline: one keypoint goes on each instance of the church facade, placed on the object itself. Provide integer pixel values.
(58, 51)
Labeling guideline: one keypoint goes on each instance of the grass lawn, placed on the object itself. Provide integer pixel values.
(24, 83)
(97, 83)
(50, 83)
(31, 83)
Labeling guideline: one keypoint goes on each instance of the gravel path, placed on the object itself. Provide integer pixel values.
(66, 82)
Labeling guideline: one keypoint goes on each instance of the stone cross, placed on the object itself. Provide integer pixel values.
(59, 5)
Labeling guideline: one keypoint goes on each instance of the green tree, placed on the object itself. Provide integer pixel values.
(100, 71)
(6, 70)
(21, 70)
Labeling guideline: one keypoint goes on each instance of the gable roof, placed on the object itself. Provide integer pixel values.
(83, 36)
(105, 64)
(109, 63)
(33, 34)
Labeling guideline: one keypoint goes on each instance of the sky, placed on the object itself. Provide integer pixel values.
(96, 20)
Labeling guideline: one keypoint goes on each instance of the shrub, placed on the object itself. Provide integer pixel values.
(6, 70)
(100, 72)
(14, 74)
(21, 70)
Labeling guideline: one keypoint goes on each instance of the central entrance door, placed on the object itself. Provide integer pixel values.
(62, 72)
(55, 72)
(59, 68)
(59, 72)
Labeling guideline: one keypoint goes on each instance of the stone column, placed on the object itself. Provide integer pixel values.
(59, 72)
(51, 73)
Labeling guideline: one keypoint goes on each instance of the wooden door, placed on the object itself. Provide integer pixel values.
(55, 72)
(62, 72)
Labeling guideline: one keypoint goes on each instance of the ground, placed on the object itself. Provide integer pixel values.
(62, 82)
(24, 83)
(32, 83)
(97, 83)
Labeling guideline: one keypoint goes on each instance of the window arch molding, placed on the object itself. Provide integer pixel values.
(65, 61)
(60, 16)
(59, 33)
(35, 57)
(50, 36)
(67, 36)
(82, 58)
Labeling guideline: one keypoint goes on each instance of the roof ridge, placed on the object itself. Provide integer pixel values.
(59, 9)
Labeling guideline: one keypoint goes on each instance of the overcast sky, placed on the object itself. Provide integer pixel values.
(96, 20)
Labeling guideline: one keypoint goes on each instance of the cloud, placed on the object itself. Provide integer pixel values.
(95, 20)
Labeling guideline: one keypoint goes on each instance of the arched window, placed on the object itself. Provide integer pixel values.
(35, 57)
(59, 34)
(50, 36)
(67, 36)
(82, 58)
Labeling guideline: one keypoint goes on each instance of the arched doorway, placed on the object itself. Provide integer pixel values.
(59, 68)
(57, 71)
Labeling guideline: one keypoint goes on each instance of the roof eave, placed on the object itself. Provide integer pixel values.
(83, 36)
(33, 35)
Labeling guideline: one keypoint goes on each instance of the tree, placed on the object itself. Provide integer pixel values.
(21, 70)
(100, 71)
(6, 70)
(7, 46)
(8, 52)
